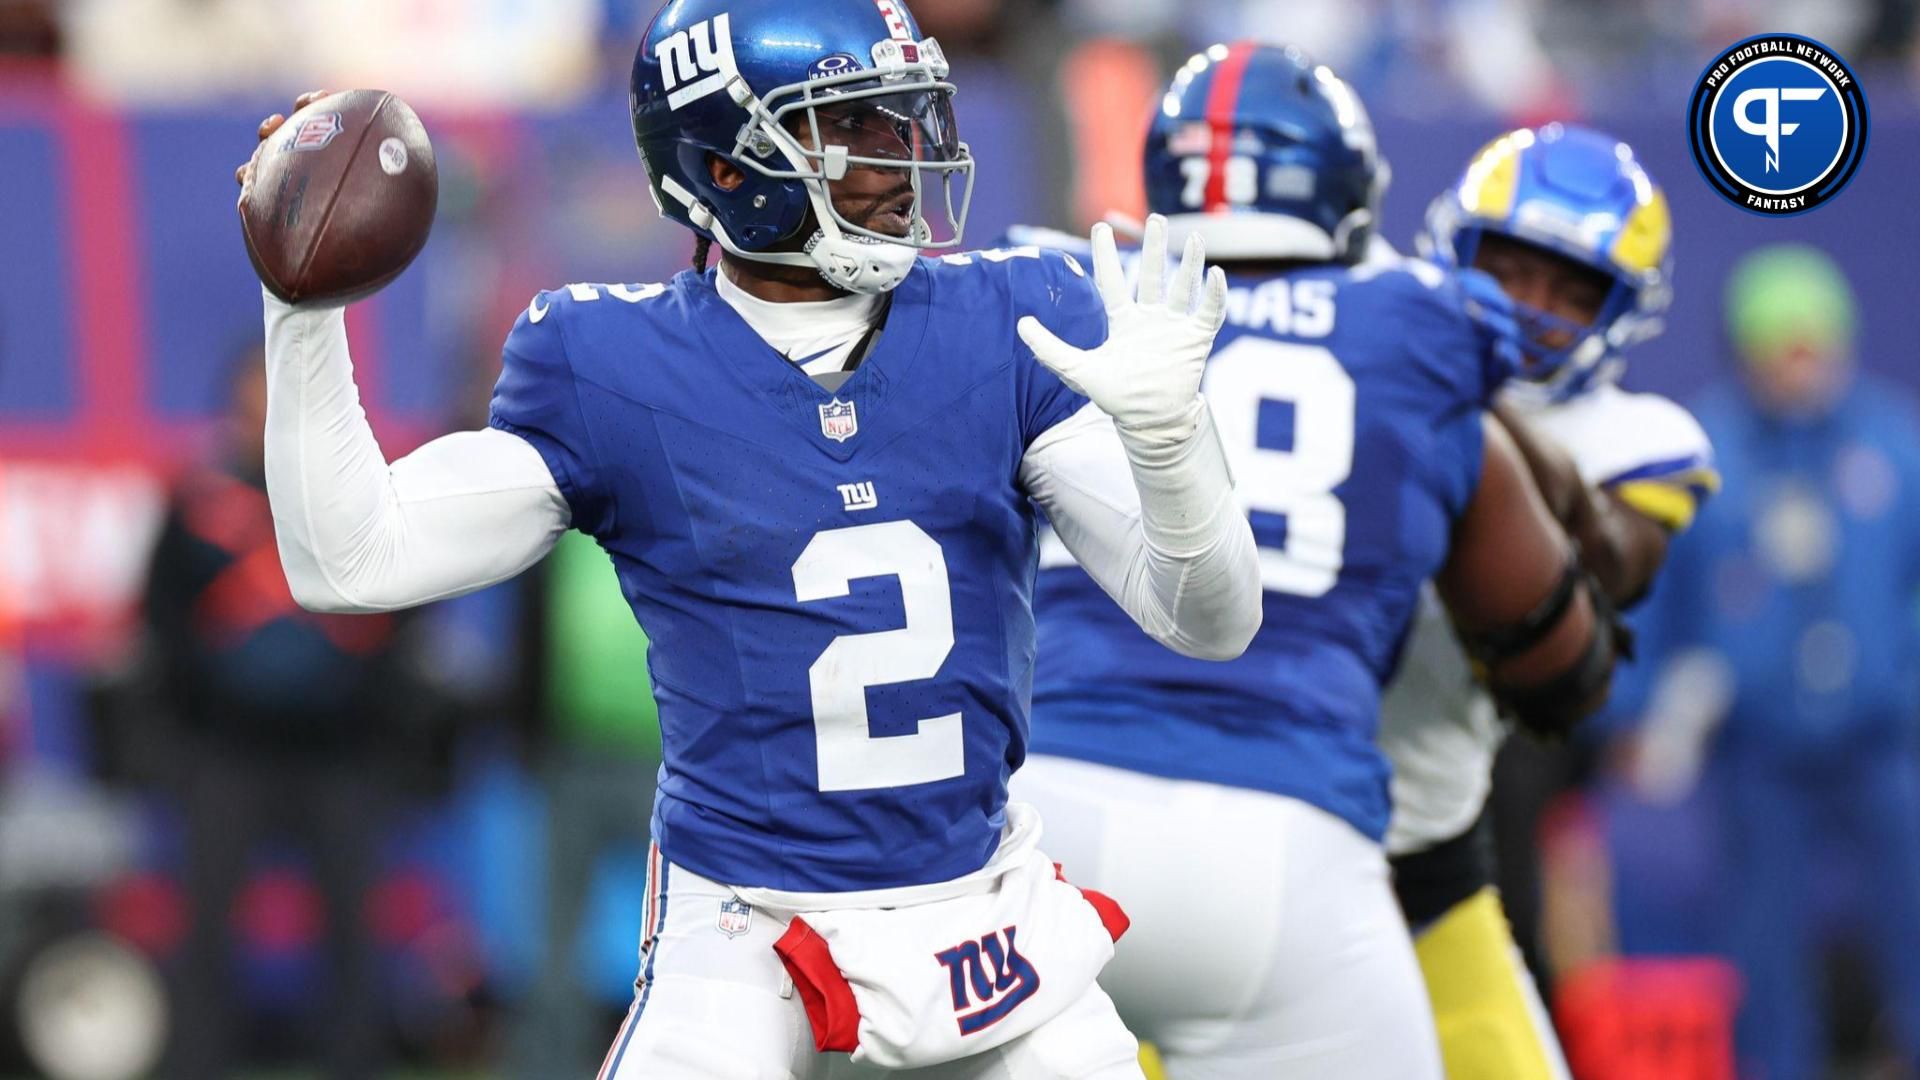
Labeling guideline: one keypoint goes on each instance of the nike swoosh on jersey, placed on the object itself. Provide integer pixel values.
(811, 357)
(536, 310)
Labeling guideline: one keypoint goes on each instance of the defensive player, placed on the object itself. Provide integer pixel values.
(1239, 807)
(815, 469)
(1577, 235)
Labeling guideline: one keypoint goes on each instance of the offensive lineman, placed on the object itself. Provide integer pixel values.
(813, 469)
(1239, 807)
(1578, 236)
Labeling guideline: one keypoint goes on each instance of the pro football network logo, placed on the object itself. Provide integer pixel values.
(1778, 124)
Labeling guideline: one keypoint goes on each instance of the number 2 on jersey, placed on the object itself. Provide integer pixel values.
(850, 757)
(1255, 386)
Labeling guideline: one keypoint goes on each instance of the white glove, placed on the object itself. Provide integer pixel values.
(1146, 375)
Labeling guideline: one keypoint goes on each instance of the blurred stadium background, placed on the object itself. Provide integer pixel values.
(127, 304)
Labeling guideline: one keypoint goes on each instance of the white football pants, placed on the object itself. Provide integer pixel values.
(1266, 943)
(715, 1003)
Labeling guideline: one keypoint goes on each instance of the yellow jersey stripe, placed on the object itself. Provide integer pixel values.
(1670, 505)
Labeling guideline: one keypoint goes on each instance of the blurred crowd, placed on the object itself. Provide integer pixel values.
(1752, 797)
(1516, 56)
(353, 840)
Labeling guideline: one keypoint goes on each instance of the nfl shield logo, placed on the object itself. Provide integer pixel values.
(316, 132)
(838, 421)
(735, 916)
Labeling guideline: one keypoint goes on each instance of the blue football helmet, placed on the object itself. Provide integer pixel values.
(1581, 195)
(795, 95)
(1266, 155)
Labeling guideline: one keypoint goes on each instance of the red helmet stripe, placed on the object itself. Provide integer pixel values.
(1223, 98)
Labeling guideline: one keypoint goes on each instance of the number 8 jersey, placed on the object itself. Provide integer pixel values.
(837, 585)
(1351, 403)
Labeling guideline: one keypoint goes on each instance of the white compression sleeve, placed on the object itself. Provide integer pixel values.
(356, 534)
(1155, 523)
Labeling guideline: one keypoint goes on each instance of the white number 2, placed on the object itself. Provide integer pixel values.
(850, 758)
(1298, 480)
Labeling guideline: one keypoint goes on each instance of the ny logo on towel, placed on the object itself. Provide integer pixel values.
(991, 973)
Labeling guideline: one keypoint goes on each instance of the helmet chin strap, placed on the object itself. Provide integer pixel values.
(853, 263)
(856, 263)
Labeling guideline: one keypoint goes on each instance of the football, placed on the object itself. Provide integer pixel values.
(341, 199)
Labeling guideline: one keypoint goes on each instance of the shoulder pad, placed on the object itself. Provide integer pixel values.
(1616, 436)
(1463, 314)
(1384, 260)
(1006, 255)
(1024, 272)
(1646, 449)
(581, 294)
(1040, 236)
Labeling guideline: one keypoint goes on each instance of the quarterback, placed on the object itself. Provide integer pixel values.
(1577, 235)
(816, 468)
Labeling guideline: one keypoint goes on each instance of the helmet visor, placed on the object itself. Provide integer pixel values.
(899, 127)
(903, 126)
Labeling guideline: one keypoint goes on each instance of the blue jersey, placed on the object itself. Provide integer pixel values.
(1350, 402)
(838, 586)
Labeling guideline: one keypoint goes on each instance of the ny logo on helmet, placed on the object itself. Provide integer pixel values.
(701, 57)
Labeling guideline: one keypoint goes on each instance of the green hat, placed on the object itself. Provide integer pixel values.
(1788, 293)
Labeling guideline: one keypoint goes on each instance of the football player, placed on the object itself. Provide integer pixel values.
(815, 469)
(1577, 234)
(1240, 807)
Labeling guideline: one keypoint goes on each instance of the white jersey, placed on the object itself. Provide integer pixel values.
(1438, 727)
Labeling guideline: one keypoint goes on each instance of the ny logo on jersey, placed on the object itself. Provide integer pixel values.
(991, 973)
(702, 52)
(838, 421)
(316, 132)
(858, 496)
